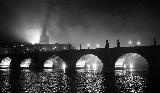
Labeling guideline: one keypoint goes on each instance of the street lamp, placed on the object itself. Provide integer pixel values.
(138, 42)
(97, 45)
(88, 45)
(130, 42)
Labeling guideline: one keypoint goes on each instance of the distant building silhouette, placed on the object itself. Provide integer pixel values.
(118, 43)
(44, 39)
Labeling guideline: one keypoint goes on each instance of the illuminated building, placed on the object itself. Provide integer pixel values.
(44, 39)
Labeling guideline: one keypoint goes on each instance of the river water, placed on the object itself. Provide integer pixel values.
(51, 81)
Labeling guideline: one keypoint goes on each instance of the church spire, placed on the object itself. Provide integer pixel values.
(44, 39)
(44, 30)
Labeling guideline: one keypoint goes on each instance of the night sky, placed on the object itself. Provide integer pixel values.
(80, 21)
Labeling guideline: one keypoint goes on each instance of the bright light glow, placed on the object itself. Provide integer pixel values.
(89, 62)
(64, 48)
(5, 62)
(131, 66)
(131, 60)
(88, 66)
(138, 42)
(50, 62)
(64, 66)
(32, 35)
(81, 63)
(124, 66)
(130, 42)
(97, 45)
(94, 66)
(26, 62)
(55, 62)
(119, 62)
(27, 49)
(88, 45)
(22, 45)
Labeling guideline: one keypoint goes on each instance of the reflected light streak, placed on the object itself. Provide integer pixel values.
(130, 82)
(90, 83)
(48, 81)
(4, 81)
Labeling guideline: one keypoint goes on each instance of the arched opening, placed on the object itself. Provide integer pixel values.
(131, 61)
(26, 63)
(5, 63)
(89, 62)
(55, 62)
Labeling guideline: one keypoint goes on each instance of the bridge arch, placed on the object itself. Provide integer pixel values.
(131, 61)
(89, 62)
(5, 62)
(26, 63)
(55, 62)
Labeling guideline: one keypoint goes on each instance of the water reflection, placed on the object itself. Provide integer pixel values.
(45, 81)
(89, 82)
(4, 80)
(130, 81)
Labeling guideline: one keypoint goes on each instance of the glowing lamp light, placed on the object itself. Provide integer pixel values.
(130, 42)
(64, 48)
(97, 45)
(131, 66)
(138, 42)
(64, 67)
(88, 45)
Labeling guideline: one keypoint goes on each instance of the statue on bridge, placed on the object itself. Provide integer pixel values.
(107, 44)
(118, 43)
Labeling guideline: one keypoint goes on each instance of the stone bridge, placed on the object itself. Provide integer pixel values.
(107, 55)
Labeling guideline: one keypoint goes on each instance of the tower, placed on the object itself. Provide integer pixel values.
(44, 39)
